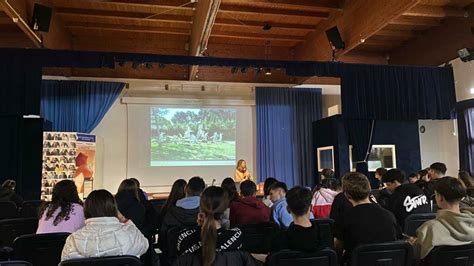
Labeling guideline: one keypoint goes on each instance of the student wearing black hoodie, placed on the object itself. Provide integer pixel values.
(184, 213)
(406, 199)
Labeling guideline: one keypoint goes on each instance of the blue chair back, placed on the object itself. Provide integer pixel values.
(325, 257)
(30, 208)
(13, 228)
(413, 221)
(451, 255)
(8, 210)
(40, 249)
(398, 253)
(15, 263)
(109, 261)
(257, 238)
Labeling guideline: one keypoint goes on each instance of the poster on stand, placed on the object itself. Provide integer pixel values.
(67, 155)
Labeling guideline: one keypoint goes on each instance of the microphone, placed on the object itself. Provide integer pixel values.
(213, 181)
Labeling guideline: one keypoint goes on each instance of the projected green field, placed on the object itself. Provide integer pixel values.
(192, 136)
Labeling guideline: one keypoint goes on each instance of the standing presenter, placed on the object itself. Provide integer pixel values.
(241, 172)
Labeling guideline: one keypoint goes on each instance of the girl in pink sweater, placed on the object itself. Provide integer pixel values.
(64, 213)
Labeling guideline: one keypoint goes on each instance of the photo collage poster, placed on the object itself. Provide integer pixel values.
(68, 155)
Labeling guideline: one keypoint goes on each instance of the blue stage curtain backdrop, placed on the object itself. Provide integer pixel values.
(77, 106)
(381, 92)
(284, 134)
(360, 134)
(465, 115)
(397, 92)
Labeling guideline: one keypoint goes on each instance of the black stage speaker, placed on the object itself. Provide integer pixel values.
(335, 39)
(41, 18)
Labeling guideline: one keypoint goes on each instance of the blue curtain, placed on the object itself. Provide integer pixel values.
(397, 92)
(284, 134)
(465, 115)
(77, 106)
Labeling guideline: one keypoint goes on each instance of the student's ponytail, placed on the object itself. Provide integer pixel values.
(213, 204)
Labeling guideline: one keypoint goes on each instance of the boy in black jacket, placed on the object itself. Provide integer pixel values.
(406, 199)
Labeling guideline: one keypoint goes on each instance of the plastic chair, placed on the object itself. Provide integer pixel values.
(325, 257)
(325, 231)
(15, 263)
(398, 253)
(8, 210)
(30, 208)
(257, 238)
(40, 249)
(109, 261)
(451, 255)
(13, 228)
(413, 221)
(234, 258)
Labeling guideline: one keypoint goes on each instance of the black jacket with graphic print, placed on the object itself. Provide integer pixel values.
(407, 199)
(189, 241)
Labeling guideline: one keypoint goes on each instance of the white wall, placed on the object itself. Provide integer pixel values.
(112, 148)
(438, 142)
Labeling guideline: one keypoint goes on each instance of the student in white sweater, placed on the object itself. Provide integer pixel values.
(106, 231)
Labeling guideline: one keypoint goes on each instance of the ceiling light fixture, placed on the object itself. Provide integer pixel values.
(268, 72)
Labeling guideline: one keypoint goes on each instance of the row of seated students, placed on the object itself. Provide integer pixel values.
(105, 225)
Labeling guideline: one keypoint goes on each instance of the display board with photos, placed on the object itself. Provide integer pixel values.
(325, 157)
(67, 155)
(381, 156)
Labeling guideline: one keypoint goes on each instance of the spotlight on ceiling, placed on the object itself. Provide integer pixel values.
(233, 70)
(258, 70)
(267, 26)
(268, 71)
(465, 54)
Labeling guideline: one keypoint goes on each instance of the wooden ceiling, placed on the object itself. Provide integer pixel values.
(229, 28)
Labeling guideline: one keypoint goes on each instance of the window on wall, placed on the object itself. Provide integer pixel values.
(381, 156)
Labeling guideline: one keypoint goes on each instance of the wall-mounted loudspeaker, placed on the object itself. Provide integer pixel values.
(41, 18)
(335, 39)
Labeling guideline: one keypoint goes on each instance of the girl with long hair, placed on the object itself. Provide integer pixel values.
(177, 193)
(128, 202)
(64, 213)
(210, 237)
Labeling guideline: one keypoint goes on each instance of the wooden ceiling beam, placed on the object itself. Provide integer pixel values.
(17, 11)
(261, 36)
(416, 21)
(396, 33)
(245, 10)
(437, 45)
(145, 9)
(315, 5)
(260, 24)
(150, 2)
(129, 28)
(203, 21)
(68, 18)
(359, 21)
(68, 12)
(20, 11)
(435, 11)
